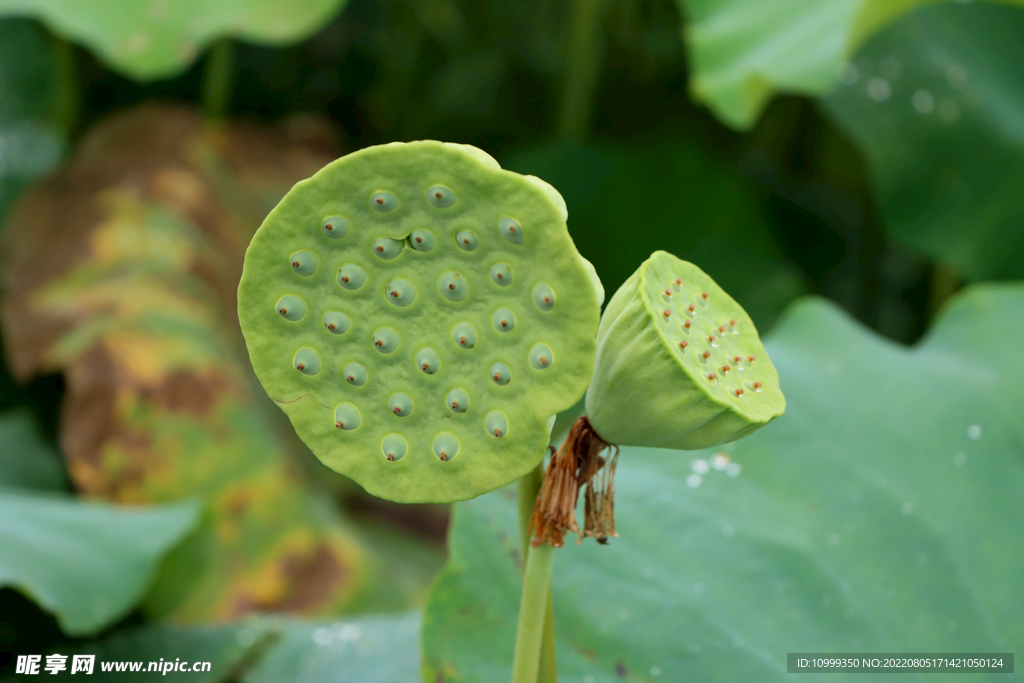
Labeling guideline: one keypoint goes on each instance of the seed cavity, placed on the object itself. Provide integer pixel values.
(446, 446)
(307, 361)
(400, 292)
(383, 202)
(304, 263)
(337, 322)
(541, 357)
(467, 240)
(347, 417)
(457, 400)
(441, 197)
(503, 319)
(336, 227)
(501, 274)
(400, 404)
(427, 360)
(543, 296)
(355, 374)
(464, 335)
(510, 230)
(351, 277)
(496, 423)
(386, 339)
(422, 240)
(453, 286)
(394, 447)
(386, 248)
(291, 308)
(500, 374)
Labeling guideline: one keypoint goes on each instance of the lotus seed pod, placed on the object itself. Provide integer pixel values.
(444, 377)
(677, 363)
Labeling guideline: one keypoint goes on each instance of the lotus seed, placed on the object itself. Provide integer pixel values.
(464, 335)
(541, 357)
(383, 202)
(467, 240)
(291, 308)
(496, 423)
(690, 309)
(510, 230)
(400, 404)
(453, 286)
(446, 446)
(666, 313)
(503, 319)
(706, 354)
(683, 344)
(441, 197)
(351, 276)
(336, 322)
(713, 378)
(738, 393)
(457, 400)
(347, 417)
(394, 447)
(355, 374)
(336, 227)
(422, 240)
(307, 361)
(501, 274)
(427, 360)
(750, 359)
(385, 340)
(543, 297)
(686, 326)
(400, 292)
(304, 263)
(500, 374)
(387, 248)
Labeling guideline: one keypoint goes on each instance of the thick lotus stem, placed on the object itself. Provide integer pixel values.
(577, 464)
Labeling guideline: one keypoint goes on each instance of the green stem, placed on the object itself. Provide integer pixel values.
(527, 490)
(582, 68)
(532, 612)
(67, 74)
(218, 80)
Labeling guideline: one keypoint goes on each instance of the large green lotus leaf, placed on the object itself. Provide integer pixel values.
(743, 51)
(87, 563)
(371, 649)
(936, 105)
(714, 218)
(26, 460)
(159, 38)
(31, 132)
(881, 513)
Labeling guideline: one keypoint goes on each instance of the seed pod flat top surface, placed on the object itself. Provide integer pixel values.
(680, 364)
(419, 314)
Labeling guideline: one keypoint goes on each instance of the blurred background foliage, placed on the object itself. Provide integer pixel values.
(865, 151)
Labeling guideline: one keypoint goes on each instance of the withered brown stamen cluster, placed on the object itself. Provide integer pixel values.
(576, 464)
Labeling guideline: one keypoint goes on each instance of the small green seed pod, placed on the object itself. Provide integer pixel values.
(660, 382)
(431, 358)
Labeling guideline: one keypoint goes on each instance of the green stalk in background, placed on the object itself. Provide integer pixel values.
(218, 80)
(585, 46)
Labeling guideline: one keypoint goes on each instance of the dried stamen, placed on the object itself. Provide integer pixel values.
(577, 464)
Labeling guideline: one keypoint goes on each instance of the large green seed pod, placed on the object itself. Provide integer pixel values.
(420, 314)
(679, 363)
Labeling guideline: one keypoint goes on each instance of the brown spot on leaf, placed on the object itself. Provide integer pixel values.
(620, 670)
